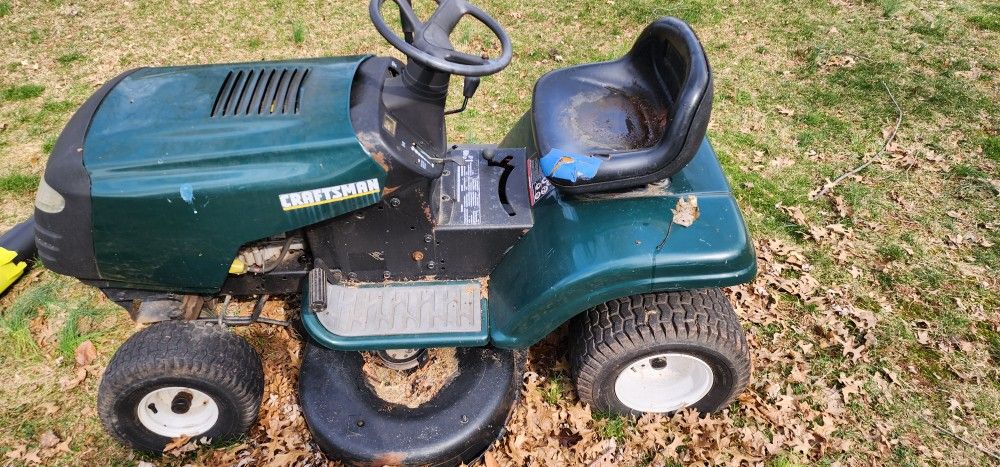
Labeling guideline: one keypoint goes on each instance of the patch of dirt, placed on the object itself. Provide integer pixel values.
(411, 389)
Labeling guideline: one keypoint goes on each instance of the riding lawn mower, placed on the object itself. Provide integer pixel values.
(329, 182)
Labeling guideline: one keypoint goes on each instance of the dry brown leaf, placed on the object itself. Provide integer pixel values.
(48, 440)
(782, 162)
(64, 445)
(85, 353)
(843, 210)
(490, 460)
(16, 453)
(795, 213)
(996, 185)
(923, 336)
(840, 61)
(686, 211)
(49, 408)
(70, 383)
(176, 444)
(413, 388)
(852, 386)
(32, 457)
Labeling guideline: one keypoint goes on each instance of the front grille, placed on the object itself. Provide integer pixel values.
(264, 91)
(47, 243)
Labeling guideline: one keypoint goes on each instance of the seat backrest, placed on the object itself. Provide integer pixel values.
(669, 63)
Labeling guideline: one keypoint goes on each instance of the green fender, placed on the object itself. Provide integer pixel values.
(584, 251)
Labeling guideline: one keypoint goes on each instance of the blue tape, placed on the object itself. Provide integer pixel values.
(567, 166)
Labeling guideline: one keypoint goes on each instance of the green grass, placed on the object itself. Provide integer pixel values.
(48, 145)
(892, 252)
(555, 389)
(822, 129)
(992, 339)
(692, 11)
(989, 20)
(616, 427)
(298, 32)
(991, 147)
(930, 29)
(14, 331)
(59, 107)
(23, 92)
(784, 460)
(71, 57)
(967, 171)
(18, 183)
(5, 9)
(81, 325)
(890, 7)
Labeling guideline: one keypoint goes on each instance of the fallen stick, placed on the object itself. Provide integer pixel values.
(967, 442)
(892, 136)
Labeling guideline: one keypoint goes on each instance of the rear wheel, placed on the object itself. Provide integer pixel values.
(176, 379)
(659, 353)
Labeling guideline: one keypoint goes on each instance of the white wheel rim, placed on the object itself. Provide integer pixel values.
(178, 411)
(664, 382)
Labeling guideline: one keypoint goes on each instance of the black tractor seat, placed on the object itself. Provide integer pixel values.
(628, 122)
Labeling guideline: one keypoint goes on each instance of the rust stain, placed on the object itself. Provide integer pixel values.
(390, 458)
(427, 212)
(381, 160)
(389, 190)
(613, 119)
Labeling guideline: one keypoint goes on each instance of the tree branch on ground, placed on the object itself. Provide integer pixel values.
(967, 442)
(892, 136)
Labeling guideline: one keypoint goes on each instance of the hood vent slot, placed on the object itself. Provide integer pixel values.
(266, 91)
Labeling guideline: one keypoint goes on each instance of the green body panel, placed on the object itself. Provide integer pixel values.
(177, 191)
(587, 250)
(583, 251)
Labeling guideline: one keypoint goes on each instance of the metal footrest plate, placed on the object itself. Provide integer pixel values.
(407, 308)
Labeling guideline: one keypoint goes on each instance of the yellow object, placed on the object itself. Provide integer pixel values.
(238, 267)
(9, 270)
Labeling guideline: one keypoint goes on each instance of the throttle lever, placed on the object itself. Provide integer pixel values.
(469, 88)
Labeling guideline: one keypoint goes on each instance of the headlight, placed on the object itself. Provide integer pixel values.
(49, 200)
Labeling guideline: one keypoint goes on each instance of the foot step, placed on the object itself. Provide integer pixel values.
(418, 314)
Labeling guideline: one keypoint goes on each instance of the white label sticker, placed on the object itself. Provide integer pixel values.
(331, 194)
(467, 190)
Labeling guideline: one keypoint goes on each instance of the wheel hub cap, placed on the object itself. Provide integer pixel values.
(178, 411)
(664, 382)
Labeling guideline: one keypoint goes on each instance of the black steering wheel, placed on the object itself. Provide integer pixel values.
(428, 43)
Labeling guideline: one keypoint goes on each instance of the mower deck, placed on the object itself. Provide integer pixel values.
(351, 423)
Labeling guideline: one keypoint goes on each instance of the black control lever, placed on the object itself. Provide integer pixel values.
(469, 88)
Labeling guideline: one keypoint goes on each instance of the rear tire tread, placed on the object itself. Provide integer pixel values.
(704, 316)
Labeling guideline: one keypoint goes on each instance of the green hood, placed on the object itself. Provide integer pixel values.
(189, 163)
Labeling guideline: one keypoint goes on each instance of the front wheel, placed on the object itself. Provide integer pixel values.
(178, 378)
(659, 353)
